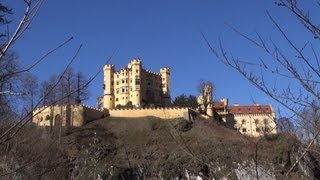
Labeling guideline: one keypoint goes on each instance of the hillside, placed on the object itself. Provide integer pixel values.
(150, 148)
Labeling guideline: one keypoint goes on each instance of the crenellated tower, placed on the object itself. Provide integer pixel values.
(165, 78)
(108, 86)
(135, 93)
(134, 86)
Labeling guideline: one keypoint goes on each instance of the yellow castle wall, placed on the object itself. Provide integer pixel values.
(253, 124)
(80, 114)
(164, 113)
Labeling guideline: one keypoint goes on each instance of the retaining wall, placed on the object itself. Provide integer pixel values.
(163, 113)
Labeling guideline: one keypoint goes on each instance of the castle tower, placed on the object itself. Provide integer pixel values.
(210, 110)
(165, 76)
(108, 86)
(136, 68)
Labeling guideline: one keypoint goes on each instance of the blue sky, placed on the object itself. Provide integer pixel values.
(161, 33)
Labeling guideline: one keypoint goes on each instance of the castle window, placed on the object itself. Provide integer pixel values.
(122, 89)
(117, 91)
(131, 80)
(256, 121)
(112, 83)
(258, 129)
(267, 129)
(122, 81)
(122, 97)
(243, 121)
(118, 76)
(265, 121)
(137, 70)
(244, 130)
(110, 99)
(117, 82)
(104, 86)
(117, 99)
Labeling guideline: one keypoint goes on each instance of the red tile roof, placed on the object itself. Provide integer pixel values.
(253, 109)
(218, 105)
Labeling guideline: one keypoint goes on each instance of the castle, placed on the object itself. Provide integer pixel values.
(135, 86)
(135, 92)
(252, 120)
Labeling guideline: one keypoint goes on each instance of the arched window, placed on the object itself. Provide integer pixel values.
(58, 120)
(47, 117)
(243, 121)
(256, 121)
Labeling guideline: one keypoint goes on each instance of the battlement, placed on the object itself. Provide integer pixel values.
(165, 69)
(108, 66)
(39, 109)
(150, 108)
(135, 61)
(151, 72)
(160, 112)
(90, 107)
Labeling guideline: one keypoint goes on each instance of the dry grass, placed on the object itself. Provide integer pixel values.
(126, 147)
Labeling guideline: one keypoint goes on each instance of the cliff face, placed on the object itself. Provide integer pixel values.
(150, 148)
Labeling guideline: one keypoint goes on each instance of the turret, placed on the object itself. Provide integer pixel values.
(136, 68)
(108, 86)
(165, 76)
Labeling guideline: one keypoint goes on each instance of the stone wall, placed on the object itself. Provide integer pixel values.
(163, 113)
(91, 114)
(57, 115)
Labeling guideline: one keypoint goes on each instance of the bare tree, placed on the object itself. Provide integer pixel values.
(48, 94)
(309, 124)
(284, 125)
(10, 67)
(297, 66)
(15, 128)
(70, 88)
(30, 88)
(205, 90)
(8, 84)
